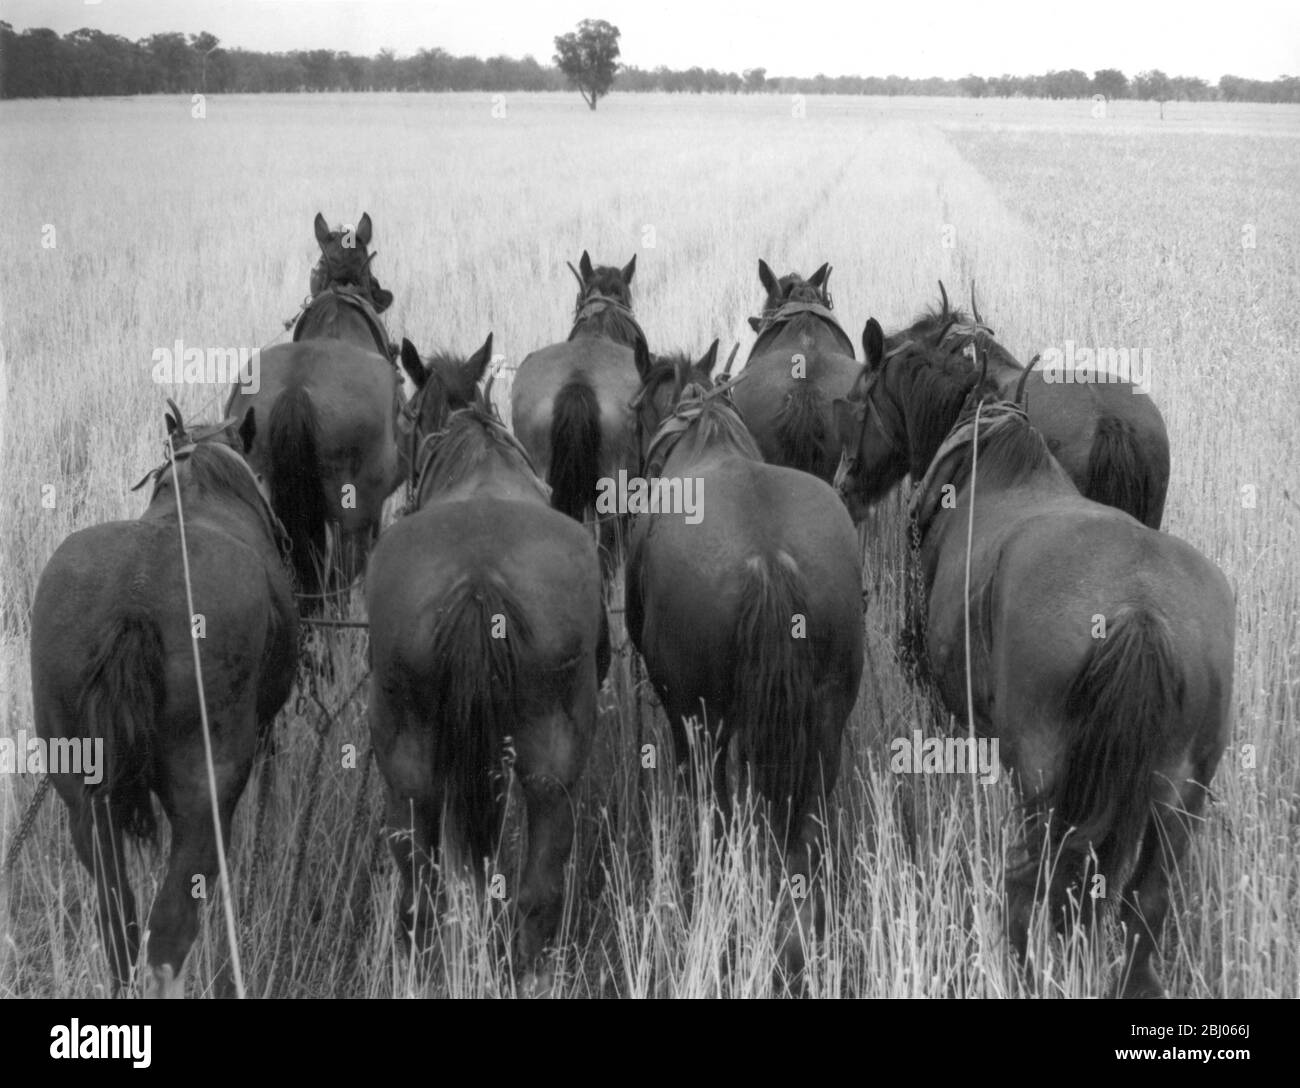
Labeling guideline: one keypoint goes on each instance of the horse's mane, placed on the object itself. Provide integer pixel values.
(471, 435)
(960, 329)
(936, 387)
(1009, 452)
(717, 422)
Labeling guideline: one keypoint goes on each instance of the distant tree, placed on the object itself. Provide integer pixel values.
(755, 79)
(973, 86)
(589, 58)
(1110, 82)
(204, 45)
(1153, 86)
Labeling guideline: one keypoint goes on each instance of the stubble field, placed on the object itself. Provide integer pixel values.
(130, 224)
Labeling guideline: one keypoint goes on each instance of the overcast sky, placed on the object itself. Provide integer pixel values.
(1258, 39)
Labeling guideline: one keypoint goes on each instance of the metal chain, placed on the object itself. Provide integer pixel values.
(25, 826)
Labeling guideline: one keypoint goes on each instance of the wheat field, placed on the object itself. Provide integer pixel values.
(133, 223)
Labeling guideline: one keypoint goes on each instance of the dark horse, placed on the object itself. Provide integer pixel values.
(113, 666)
(1101, 649)
(749, 620)
(488, 645)
(569, 402)
(800, 363)
(1107, 434)
(329, 448)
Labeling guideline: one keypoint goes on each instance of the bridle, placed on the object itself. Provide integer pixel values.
(415, 449)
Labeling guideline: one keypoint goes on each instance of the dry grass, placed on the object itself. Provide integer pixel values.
(1124, 231)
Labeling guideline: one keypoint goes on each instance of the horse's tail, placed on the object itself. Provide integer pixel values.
(297, 491)
(1118, 474)
(575, 449)
(801, 427)
(1122, 710)
(476, 649)
(121, 700)
(773, 705)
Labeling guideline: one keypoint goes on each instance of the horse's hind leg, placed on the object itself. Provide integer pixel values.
(548, 761)
(98, 842)
(1146, 898)
(193, 867)
(414, 825)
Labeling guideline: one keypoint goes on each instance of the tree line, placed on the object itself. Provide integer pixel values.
(39, 63)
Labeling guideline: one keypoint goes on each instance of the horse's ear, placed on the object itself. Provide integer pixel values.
(322, 230)
(175, 424)
(412, 365)
(248, 431)
(629, 270)
(710, 360)
(475, 366)
(382, 299)
(584, 266)
(364, 230)
(768, 280)
(818, 279)
(641, 351)
(755, 324)
(873, 344)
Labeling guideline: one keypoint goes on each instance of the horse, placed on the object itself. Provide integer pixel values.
(1107, 434)
(330, 449)
(800, 363)
(488, 644)
(1100, 649)
(113, 668)
(751, 618)
(569, 401)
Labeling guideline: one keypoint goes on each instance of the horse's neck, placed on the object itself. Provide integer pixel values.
(502, 475)
(331, 318)
(228, 513)
(599, 326)
(804, 330)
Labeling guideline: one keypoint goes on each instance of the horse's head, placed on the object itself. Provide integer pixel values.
(213, 458)
(664, 380)
(447, 383)
(792, 288)
(345, 261)
(604, 282)
(901, 406)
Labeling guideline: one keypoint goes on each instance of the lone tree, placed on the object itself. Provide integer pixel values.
(589, 57)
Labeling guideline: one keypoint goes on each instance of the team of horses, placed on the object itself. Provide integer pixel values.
(1049, 610)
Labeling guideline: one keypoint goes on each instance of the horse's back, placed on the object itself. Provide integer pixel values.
(134, 567)
(1070, 416)
(1068, 573)
(693, 578)
(545, 562)
(605, 366)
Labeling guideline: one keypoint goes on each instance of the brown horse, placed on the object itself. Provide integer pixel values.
(749, 619)
(488, 644)
(113, 667)
(1107, 434)
(1100, 649)
(800, 363)
(569, 402)
(331, 401)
